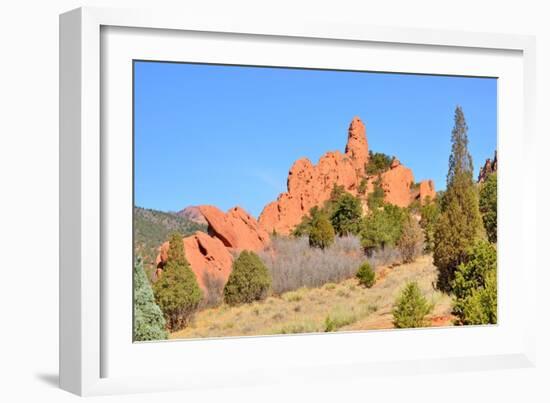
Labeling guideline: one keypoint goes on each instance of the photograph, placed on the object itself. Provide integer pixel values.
(284, 200)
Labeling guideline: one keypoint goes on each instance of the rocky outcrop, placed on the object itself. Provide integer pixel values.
(487, 169)
(426, 191)
(236, 229)
(208, 257)
(192, 213)
(357, 147)
(310, 185)
(397, 184)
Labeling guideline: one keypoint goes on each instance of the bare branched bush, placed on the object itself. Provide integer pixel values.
(411, 242)
(214, 291)
(294, 264)
(384, 256)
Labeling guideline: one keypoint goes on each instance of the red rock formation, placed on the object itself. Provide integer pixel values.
(311, 185)
(426, 191)
(237, 229)
(206, 256)
(192, 213)
(210, 254)
(487, 169)
(397, 184)
(357, 147)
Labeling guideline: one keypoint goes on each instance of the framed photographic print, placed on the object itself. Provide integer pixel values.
(238, 196)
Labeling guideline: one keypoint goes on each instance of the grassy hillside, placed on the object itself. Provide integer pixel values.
(152, 228)
(331, 307)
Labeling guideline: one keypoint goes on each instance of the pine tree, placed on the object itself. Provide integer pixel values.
(321, 234)
(411, 307)
(346, 215)
(177, 292)
(249, 280)
(460, 222)
(429, 214)
(488, 206)
(149, 324)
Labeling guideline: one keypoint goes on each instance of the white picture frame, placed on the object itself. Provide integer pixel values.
(88, 346)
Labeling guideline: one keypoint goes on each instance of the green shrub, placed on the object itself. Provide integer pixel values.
(366, 275)
(411, 308)
(375, 199)
(339, 319)
(429, 214)
(346, 215)
(411, 240)
(382, 228)
(177, 292)
(249, 280)
(378, 163)
(149, 324)
(480, 308)
(362, 188)
(488, 206)
(474, 286)
(321, 234)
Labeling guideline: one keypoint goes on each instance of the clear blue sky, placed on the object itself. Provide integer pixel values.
(227, 135)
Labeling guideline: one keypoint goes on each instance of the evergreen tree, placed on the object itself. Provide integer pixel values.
(429, 214)
(149, 324)
(177, 292)
(321, 234)
(488, 206)
(382, 227)
(249, 280)
(460, 222)
(366, 275)
(474, 286)
(460, 160)
(411, 308)
(346, 215)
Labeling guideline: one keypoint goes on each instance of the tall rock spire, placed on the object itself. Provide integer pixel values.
(357, 147)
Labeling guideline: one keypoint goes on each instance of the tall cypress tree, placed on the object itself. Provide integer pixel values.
(177, 291)
(460, 222)
(148, 320)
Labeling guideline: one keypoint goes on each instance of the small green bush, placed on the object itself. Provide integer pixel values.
(249, 280)
(362, 188)
(366, 275)
(321, 234)
(378, 163)
(474, 286)
(375, 199)
(411, 308)
(480, 308)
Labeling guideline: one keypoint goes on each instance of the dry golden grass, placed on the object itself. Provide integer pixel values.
(332, 307)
